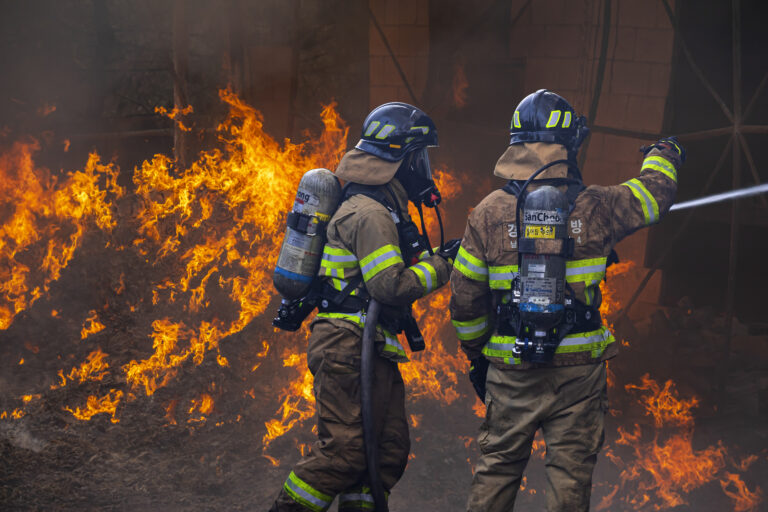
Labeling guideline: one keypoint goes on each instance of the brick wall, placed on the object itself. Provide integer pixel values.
(405, 25)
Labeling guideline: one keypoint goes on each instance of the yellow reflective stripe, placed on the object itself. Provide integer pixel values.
(355, 318)
(500, 277)
(661, 164)
(380, 259)
(554, 118)
(647, 201)
(335, 260)
(340, 284)
(567, 119)
(588, 271)
(471, 329)
(332, 272)
(516, 120)
(424, 129)
(501, 346)
(371, 128)
(385, 131)
(470, 266)
(427, 275)
(392, 348)
(593, 341)
(306, 495)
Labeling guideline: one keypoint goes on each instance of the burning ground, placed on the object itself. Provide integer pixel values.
(140, 370)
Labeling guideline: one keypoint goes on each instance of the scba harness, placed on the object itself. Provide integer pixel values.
(351, 299)
(540, 308)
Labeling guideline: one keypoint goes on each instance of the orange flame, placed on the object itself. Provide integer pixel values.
(106, 404)
(45, 222)
(91, 325)
(94, 368)
(743, 499)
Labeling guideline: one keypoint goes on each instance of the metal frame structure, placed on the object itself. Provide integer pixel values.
(735, 142)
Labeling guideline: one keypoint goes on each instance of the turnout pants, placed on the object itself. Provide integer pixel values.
(568, 403)
(336, 464)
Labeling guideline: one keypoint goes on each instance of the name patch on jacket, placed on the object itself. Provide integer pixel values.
(511, 241)
(577, 229)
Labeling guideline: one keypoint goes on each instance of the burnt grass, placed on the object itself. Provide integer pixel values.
(49, 460)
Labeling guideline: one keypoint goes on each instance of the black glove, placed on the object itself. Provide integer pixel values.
(450, 249)
(478, 370)
(670, 144)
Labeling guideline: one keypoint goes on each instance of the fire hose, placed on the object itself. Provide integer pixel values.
(715, 198)
(366, 398)
(725, 196)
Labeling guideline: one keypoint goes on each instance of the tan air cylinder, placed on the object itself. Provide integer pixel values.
(316, 200)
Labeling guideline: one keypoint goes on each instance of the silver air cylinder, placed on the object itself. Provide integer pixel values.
(316, 200)
(542, 272)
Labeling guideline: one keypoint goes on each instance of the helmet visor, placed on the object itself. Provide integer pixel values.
(420, 164)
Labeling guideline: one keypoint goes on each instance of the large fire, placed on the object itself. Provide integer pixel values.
(208, 238)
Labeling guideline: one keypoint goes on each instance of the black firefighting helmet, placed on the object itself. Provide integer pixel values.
(393, 130)
(547, 117)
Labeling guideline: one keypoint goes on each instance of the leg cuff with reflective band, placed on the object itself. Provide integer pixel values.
(306, 495)
(358, 499)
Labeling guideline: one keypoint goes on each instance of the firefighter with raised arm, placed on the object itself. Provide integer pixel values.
(526, 297)
(373, 251)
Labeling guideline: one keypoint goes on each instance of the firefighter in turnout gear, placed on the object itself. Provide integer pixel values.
(373, 250)
(561, 390)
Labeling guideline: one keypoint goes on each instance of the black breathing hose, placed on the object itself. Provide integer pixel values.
(440, 223)
(424, 229)
(520, 198)
(368, 355)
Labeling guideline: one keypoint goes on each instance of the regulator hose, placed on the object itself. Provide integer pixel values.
(367, 358)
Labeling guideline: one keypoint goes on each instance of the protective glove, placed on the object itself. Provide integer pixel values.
(478, 370)
(669, 144)
(450, 249)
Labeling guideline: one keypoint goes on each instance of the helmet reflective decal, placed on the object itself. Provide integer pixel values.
(384, 132)
(392, 130)
(554, 118)
(544, 116)
(371, 128)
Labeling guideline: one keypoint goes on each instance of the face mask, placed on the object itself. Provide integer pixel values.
(416, 176)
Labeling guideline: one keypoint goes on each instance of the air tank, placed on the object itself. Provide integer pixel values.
(542, 272)
(316, 200)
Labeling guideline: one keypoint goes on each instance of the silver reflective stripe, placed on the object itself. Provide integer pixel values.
(575, 271)
(427, 275)
(583, 340)
(472, 328)
(492, 345)
(502, 276)
(648, 201)
(340, 258)
(393, 342)
(334, 272)
(379, 259)
(304, 494)
(471, 266)
(355, 497)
